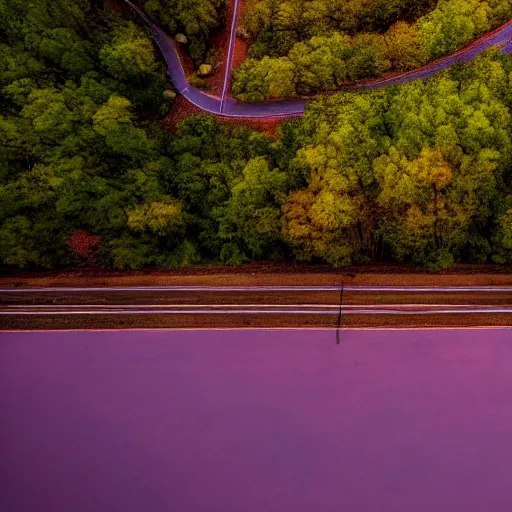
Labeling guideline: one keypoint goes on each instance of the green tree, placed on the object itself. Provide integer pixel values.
(250, 220)
(196, 18)
(453, 24)
(129, 54)
(404, 48)
(160, 217)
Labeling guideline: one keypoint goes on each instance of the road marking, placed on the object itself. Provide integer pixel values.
(218, 306)
(362, 311)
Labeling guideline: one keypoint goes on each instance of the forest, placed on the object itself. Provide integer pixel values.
(303, 47)
(89, 175)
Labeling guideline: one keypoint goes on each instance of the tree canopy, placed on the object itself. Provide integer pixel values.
(197, 19)
(317, 45)
(418, 173)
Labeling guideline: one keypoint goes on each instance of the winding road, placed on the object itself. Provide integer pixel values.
(228, 107)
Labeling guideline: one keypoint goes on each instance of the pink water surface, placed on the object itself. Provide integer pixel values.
(256, 421)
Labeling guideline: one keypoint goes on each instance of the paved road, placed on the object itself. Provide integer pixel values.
(251, 309)
(244, 311)
(275, 421)
(231, 108)
(270, 306)
(264, 289)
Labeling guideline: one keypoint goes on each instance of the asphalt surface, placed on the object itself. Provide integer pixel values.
(264, 289)
(251, 309)
(231, 108)
(258, 420)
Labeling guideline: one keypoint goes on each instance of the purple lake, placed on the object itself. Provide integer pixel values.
(256, 421)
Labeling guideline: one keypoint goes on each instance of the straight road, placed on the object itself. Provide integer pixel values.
(231, 108)
(256, 420)
(252, 309)
(266, 289)
(239, 306)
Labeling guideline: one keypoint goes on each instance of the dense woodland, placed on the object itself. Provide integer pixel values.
(302, 47)
(419, 173)
(196, 19)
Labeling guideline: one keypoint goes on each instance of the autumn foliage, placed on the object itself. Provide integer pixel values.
(84, 244)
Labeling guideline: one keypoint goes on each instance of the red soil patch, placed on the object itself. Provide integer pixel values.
(266, 125)
(220, 45)
(182, 108)
(240, 50)
(240, 54)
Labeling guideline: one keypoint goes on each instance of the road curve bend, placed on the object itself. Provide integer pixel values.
(229, 107)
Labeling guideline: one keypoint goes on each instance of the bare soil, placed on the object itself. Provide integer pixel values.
(220, 45)
(87, 322)
(240, 54)
(180, 110)
(241, 46)
(284, 273)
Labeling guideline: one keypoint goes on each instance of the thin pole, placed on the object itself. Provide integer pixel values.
(339, 316)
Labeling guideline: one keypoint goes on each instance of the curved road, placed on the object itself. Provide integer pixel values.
(229, 107)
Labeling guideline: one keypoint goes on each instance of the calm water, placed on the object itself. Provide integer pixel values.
(256, 421)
